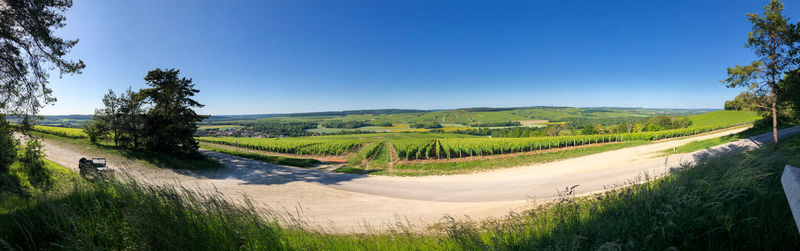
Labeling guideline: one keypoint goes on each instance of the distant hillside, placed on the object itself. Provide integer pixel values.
(73, 120)
(215, 118)
(466, 116)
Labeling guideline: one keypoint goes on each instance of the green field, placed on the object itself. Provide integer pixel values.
(722, 117)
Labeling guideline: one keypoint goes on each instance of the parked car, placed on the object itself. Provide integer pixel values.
(93, 166)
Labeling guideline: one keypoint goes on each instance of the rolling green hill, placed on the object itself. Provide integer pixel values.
(489, 115)
(722, 117)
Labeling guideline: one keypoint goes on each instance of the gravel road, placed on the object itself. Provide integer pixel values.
(358, 203)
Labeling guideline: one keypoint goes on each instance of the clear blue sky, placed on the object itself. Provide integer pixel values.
(295, 56)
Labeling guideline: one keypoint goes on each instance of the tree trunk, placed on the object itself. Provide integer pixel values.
(774, 116)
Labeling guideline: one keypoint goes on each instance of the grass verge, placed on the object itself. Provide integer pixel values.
(17, 186)
(367, 159)
(280, 160)
(706, 143)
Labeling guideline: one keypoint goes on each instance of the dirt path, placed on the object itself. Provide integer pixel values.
(346, 202)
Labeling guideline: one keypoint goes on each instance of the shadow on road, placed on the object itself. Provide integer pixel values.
(255, 172)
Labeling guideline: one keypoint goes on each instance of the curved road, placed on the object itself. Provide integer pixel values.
(349, 202)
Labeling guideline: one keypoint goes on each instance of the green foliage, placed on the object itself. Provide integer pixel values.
(588, 130)
(343, 124)
(366, 152)
(30, 51)
(483, 164)
(95, 129)
(171, 123)
(748, 102)
(426, 125)
(789, 90)
(300, 145)
(31, 157)
(464, 147)
(774, 40)
(663, 122)
(8, 146)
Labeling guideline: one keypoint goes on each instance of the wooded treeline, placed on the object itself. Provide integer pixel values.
(159, 118)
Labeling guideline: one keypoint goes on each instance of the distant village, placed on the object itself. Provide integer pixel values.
(230, 132)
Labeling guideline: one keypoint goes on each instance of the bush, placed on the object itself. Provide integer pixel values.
(32, 159)
(94, 129)
(8, 146)
(426, 125)
(342, 124)
(384, 124)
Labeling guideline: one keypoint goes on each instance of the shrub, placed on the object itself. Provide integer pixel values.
(426, 125)
(32, 159)
(8, 146)
(94, 129)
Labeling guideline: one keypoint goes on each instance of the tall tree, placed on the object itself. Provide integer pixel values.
(133, 112)
(171, 122)
(28, 49)
(111, 116)
(773, 41)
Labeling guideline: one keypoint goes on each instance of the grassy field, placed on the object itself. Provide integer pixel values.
(722, 117)
(731, 202)
(18, 186)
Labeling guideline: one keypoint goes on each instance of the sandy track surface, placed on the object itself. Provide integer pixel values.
(349, 203)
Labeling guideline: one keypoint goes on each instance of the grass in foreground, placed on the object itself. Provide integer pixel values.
(731, 202)
(280, 160)
(190, 162)
(18, 186)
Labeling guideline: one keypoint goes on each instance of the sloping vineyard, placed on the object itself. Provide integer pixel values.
(302, 145)
(464, 147)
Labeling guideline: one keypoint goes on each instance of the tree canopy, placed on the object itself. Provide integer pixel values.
(171, 122)
(28, 49)
(774, 41)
